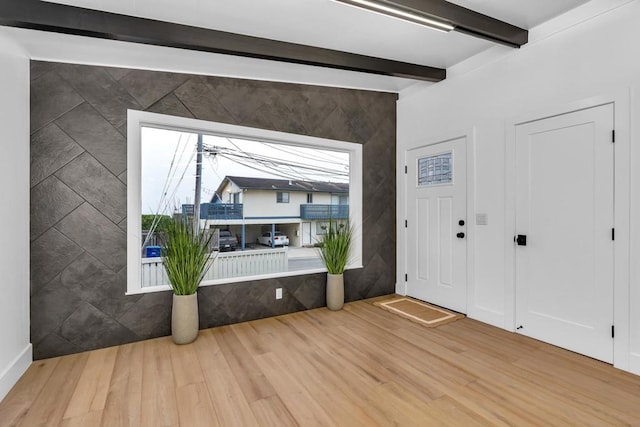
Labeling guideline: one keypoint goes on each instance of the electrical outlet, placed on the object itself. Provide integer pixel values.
(278, 293)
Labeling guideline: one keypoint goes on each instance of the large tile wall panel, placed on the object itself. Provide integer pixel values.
(78, 188)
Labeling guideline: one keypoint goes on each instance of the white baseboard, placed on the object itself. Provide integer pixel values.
(490, 317)
(12, 373)
(634, 363)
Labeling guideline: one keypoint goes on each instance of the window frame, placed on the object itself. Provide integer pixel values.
(280, 196)
(137, 119)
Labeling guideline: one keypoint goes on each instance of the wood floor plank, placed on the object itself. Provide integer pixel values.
(272, 412)
(231, 407)
(93, 418)
(361, 366)
(15, 405)
(49, 407)
(305, 365)
(252, 381)
(124, 399)
(304, 409)
(401, 407)
(90, 394)
(195, 407)
(159, 404)
(341, 386)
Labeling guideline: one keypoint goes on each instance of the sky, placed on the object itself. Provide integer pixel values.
(169, 165)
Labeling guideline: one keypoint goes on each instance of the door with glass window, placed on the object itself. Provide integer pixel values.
(436, 224)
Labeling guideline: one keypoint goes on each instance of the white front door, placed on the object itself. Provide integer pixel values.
(436, 224)
(306, 234)
(564, 207)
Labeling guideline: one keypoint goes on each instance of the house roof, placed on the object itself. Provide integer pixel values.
(247, 183)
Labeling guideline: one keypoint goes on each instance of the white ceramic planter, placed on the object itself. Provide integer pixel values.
(184, 318)
(335, 291)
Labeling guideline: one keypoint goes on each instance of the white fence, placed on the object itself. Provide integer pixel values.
(225, 265)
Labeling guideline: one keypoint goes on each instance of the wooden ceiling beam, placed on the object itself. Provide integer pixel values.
(45, 16)
(470, 22)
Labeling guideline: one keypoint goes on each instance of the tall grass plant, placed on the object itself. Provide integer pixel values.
(335, 246)
(186, 257)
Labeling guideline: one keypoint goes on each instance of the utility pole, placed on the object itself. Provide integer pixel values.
(196, 203)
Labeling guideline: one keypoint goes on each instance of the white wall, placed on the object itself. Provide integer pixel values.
(15, 348)
(263, 204)
(595, 57)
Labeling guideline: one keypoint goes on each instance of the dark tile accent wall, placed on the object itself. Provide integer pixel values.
(78, 197)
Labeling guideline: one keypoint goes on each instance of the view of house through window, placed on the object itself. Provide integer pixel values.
(267, 204)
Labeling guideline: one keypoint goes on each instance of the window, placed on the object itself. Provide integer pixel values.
(309, 197)
(434, 170)
(339, 199)
(148, 182)
(282, 197)
(322, 227)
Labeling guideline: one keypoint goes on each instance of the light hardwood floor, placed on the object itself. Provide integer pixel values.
(358, 367)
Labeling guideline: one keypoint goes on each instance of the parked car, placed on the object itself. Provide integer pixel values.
(279, 239)
(227, 241)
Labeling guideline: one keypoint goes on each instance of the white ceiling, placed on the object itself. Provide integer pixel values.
(332, 25)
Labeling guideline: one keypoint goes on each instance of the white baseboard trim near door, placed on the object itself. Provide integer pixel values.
(12, 373)
(487, 316)
(634, 363)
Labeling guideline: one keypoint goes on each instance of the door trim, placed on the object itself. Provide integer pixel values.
(620, 98)
(401, 210)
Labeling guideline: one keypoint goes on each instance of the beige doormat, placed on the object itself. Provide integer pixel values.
(419, 312)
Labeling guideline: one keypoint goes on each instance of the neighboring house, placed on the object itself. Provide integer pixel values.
(251, 206)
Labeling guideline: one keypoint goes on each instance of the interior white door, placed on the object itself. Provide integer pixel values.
(306, 233)
(436, 224)
(564, 207)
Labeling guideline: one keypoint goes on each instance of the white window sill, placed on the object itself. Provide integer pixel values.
(150, 289)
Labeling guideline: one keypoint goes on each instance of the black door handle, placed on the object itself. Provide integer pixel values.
(521, 240)
(460, 235)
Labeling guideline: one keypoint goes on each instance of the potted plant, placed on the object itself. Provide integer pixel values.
(186, 259)
(334, 250)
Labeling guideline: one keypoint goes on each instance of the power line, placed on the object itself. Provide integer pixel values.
(298, 169)
(299, 153)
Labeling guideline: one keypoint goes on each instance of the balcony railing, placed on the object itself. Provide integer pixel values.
(216, 210)
(315, 211)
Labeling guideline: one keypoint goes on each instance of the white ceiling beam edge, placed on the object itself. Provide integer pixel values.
(47, 46)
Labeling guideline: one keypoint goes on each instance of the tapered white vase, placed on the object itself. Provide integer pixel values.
(184, 318)
(335, 291)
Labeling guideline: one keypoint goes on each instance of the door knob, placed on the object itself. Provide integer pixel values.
(521, 240)
(460, 235)
(461, 222)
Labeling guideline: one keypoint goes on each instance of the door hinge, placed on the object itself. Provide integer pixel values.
(406, 223)
(613, 135)
(613, 331)
(405, 169)
(406, 277)
(613, 234)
